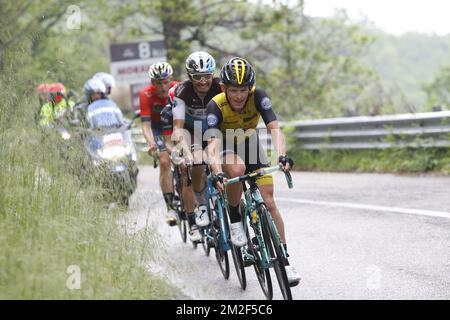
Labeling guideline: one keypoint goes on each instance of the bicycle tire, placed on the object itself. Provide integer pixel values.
(179, 205)
(183, 229)
(221, 255)
(207, 231)
(262, 274)
(275, 252)
(237, 259)
(205, 245)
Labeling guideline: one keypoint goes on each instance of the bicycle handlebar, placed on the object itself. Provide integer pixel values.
(259, 173)
(177, 159)
(155, 159)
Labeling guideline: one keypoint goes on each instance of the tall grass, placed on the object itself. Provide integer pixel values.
(53, 227)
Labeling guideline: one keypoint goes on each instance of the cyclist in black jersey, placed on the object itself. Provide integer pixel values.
(189, 123)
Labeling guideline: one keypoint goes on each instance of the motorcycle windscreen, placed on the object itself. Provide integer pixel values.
(113, 147)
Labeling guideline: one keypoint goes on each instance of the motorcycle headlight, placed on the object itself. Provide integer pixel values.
(113, 153)
(65, 135)
(96, 162)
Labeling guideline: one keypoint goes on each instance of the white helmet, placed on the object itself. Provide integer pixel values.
(94, 85)
(200, 62)
(160, 71)
(107, 79)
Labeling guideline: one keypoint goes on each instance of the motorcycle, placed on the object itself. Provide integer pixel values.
(112, 154)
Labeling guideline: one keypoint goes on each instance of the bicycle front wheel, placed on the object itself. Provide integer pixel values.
(262, 274)
(237, 257)
(221, 254)
(182, 226)
(179, 205)
(276, 254)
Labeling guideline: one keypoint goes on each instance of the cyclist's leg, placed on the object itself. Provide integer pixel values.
(199, 185)
(233, 166)
(188, 193)
(190, 205)
(266, 189)
(199, 169)
(165, 173)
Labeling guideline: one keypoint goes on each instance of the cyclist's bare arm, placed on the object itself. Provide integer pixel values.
(147, 131)
(214, 155)
(278, 139)
(180, 138)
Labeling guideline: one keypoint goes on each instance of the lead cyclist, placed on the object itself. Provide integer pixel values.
(232, 154)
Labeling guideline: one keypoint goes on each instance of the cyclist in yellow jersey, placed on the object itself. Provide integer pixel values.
(234, 147)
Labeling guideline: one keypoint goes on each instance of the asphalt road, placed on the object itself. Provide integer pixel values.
(351, 236)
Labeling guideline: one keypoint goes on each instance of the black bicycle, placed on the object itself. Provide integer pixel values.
(178, 204)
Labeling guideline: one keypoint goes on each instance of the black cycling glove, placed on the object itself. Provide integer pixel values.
(218, 178)
(284, 160)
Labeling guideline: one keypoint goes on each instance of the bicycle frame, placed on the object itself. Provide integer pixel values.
(253, 200)
(212, 192)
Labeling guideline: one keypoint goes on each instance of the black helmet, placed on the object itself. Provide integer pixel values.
(238, 72)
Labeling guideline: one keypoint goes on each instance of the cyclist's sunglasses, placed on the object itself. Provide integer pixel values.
(200, 76)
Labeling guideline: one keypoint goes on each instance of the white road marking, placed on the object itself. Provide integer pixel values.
(419, 212)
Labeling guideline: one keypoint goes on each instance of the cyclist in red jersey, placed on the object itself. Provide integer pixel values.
(153, 99)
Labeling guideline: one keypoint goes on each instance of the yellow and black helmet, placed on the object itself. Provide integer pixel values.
(238, 72)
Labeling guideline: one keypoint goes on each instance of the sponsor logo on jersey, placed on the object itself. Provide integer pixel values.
(266, 104)
(212, 120)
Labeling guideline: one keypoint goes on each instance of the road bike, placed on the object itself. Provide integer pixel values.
(178, 204)
(264, 248)
(217, 234)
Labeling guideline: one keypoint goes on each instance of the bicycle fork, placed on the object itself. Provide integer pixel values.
(254, 197)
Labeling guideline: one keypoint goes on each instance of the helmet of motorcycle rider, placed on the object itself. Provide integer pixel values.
(94, 86)
(57, 91)
(107, 79)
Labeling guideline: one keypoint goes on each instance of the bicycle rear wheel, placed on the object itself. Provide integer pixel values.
(276, 254)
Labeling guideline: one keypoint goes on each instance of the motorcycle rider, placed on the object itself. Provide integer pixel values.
(57, 107)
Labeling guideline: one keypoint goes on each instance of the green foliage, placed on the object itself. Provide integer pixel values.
(401, 160)
(49, 219)
(407, 65)
(438, 90)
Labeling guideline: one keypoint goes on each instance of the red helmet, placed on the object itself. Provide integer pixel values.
(44, 88)
(57, 91)
(44, 92)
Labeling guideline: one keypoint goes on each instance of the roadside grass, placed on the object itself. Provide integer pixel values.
(57, 238)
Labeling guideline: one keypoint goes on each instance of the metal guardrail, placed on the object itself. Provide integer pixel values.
(431, 129)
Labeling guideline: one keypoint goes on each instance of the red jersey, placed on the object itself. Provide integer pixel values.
(151, 105)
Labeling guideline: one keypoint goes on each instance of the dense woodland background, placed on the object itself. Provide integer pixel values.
(311, 67)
